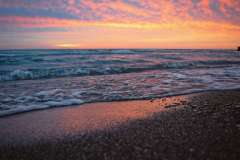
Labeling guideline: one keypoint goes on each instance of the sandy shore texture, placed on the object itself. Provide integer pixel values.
(196, 126)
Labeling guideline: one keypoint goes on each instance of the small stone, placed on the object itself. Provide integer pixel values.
(170, 106)
(191, 149)
(238, 126)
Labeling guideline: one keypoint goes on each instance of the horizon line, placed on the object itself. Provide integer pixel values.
(116, 48)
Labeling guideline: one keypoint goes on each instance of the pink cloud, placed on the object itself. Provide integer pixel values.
(145, 11)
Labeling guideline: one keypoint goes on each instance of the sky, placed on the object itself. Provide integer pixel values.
(90, 24)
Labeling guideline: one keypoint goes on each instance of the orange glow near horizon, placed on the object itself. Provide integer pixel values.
(66, 45)
(121, 24)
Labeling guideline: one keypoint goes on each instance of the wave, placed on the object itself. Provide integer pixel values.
(32, 74)
(40, 100)
(47, 102)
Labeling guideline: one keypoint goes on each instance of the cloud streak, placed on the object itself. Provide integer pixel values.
(131, 10)
(219, 18)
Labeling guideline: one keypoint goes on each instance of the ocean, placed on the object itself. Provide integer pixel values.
(39, 79)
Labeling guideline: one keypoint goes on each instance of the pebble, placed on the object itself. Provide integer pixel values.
(238, 126)
(191, 149)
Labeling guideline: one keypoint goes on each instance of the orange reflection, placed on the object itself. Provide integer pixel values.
(107, 114)
(56, 123)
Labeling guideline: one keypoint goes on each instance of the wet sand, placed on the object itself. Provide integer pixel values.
(197, 126)
(57, 123)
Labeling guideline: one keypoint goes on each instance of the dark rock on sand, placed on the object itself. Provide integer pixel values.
(206, 128)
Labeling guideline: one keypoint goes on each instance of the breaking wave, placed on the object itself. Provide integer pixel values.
(108, 75)
(32, 74)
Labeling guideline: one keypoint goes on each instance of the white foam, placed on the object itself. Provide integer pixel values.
(66, 102)
(77, 94)
(49, 93)
(82, 71)
(179, 75)
(26, 95)
(22, 108)
(25, 99)
(19, 74)
(8, 110)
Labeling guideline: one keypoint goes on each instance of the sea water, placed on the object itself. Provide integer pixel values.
(37, 79)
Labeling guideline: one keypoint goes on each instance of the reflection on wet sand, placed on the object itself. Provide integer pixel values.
(59, 122)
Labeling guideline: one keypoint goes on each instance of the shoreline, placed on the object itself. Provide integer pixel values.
(61, 121)
(197, 126)
(120, 100)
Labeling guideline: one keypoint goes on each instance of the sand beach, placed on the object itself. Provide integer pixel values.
(196, 126)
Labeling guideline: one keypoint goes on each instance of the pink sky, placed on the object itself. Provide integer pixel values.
(120, 24)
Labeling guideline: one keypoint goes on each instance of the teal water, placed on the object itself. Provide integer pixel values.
(36, 79)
